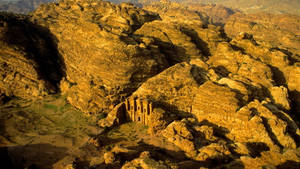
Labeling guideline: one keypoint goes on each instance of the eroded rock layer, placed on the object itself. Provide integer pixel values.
(207, 100)
(30, 64)
(104, 62)
(268, 29)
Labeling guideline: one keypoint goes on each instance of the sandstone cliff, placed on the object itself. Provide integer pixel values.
(30, 64)
(211, 101)
(104, 62)
(268, 29)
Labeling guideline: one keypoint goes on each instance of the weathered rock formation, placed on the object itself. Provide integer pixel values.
(215, 14)
(30, 65)
(144, 161)
(220, 102)
(253, 6)
(104, 62)
(271, 30)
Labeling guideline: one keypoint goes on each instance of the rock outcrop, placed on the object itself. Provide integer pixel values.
(215, 14)
(235, 105)
(271, 30)
(206, 100)
(293, 85)
(30, 66)
(104, 62)
(253, 6)
(144, 161)
(174, 88)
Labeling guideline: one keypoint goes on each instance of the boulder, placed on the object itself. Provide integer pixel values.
(145, 161)
(280, 97)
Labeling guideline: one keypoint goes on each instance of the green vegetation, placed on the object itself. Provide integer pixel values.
(101, 116)
(51, 106)
(52, 115)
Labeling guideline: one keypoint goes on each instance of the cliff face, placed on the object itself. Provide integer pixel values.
(280, 31)
(215, 101)
(279, 35)
(213, 14)
(30, 64)
(104, 61)
(252, 6)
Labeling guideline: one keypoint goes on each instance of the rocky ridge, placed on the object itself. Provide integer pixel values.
(222, 102)
(22, 6)
(104, 62)
(269, 29)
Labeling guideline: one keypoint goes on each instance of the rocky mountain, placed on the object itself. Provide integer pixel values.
(22, 6)
(276, 30)
(30, 64)
(246, 6)
(252, 6)
(213, 14)
(167, 86)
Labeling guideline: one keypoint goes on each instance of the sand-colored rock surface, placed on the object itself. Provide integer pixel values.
(166, 88)
(26, 50)
(174, 88)
(269, 29)
(104, 63)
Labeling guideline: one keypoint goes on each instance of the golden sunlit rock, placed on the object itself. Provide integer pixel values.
(89, 84)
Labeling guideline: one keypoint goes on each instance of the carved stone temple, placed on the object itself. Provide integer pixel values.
(138, 110)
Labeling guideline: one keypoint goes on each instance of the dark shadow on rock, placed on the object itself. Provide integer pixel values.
(239, 96)
(135, 27)
(288, 53)
(2, 126)
(221, 71)
(104, 166)
(3, 99)
(174, 54)
(199, 74)
(289, 165)
(39, 44)
(236, 48)
(104, 140)
(224, 35)
(158, 153)
(200, 44)
(5, 158)
(174, 112)
(40, 156)
(219, 131)
(291, 128)
(259, 93)
(278, 76)
(80, 164)
(236, 164)
(179, 157)
(255, 148)
(268, 129)
(295, 105)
